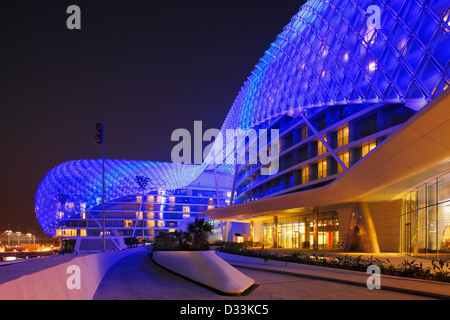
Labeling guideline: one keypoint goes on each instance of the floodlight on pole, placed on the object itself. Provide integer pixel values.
(62, 198)
(9, 234)
(142, 183)
(18, 233)
(100, 137)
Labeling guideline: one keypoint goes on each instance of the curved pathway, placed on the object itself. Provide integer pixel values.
(138, 278)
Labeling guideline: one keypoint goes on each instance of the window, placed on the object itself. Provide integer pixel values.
(395, 115)
(322, 169)
(305, 174)
(342, 137)
(186, 209)
(367, 148)
(365, 127)
(321, 149)
(303, 132)
(302, 154)
(320, 122)
(345, 157)
(128, 223)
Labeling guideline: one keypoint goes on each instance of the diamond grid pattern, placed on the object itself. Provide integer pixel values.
(327, 55)
(81, 182)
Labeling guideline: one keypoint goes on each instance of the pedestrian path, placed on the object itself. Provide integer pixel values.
(137, 277)
(433, 289)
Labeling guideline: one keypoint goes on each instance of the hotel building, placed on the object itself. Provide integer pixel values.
(357, 92)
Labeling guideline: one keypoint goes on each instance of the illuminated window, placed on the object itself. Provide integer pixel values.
(345, 157)
(186, 215)
(128, 223)
(367, 148)
(186, 209)
(322, 169)
(321, 149)
(172, 199)
(210, 207)
(342, 137)
(70, 232)
(305, 175)
(138, 215)
(139, 199)
(150, 224)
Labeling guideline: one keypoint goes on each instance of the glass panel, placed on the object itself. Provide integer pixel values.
(413, 200)
(431, 230)
(444, 230)
(267, 233)
(444, 188)
(421, 231)
(431, 193)
(408, 202)
(421, 203)
(414, 234)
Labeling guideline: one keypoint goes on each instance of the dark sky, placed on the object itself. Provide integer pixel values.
(144, 68)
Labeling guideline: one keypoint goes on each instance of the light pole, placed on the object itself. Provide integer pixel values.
(18, 233)
(9, 233)
(62, 200)
(142, 183)
(29, 235)
(100, 137)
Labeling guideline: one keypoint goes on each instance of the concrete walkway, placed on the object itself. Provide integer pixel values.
(138, 278)
(435, 289)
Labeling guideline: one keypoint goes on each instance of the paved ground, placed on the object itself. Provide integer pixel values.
(138, 278)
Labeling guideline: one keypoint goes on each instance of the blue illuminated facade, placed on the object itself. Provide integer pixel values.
(334, 86)
(327, 56)
(142, 197)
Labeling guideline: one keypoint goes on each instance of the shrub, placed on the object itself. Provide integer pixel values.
(195, 239)
(439, 271)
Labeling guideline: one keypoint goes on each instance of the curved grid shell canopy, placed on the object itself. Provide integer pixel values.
(329, 55)
(80, 182)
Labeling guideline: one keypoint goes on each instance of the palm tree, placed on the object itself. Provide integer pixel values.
(164, 241)
(182, 239)
(199, 231)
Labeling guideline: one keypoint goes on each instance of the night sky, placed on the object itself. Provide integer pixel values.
(144, 68)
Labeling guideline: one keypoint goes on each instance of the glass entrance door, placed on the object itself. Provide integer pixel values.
(408, 238)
